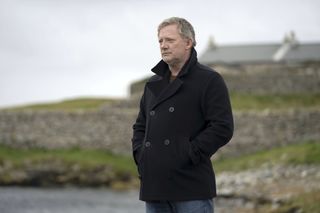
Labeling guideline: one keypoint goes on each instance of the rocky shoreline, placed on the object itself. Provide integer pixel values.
(55, 173)
(272, 186)
(245, 191)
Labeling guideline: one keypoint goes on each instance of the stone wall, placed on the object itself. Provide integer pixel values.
(272, 79)
(255, 131)
(111, 129)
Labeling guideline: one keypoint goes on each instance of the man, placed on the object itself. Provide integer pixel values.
(185, 117)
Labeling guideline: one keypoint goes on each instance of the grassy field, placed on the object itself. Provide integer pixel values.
(239, 102)
(68, 105)
(304, 153)
(275, 102)
(85, 158)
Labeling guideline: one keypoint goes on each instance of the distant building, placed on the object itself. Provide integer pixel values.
(289, 51)
(290, 67)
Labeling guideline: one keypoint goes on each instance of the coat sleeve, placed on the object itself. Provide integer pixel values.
(217, 112)
(139, 130)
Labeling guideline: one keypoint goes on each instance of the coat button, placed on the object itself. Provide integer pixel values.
(152, 113)
(166, 142)
(171, 109)
(148, 144)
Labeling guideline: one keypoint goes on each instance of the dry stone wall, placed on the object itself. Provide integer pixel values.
(255, 131)
(111, 129)
(272, 79)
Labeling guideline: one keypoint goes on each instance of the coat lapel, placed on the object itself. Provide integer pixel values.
(169, 91)
(157, 86)
(163, 90)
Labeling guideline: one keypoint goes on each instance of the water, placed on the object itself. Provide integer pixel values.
(68, 200)
(84, 200)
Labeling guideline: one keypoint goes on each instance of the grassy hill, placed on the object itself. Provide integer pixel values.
(275, 102)
(239, 102)
(68, 105)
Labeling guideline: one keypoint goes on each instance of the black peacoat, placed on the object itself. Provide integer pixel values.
(180, 125)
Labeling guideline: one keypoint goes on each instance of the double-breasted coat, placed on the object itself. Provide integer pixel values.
(180, 125)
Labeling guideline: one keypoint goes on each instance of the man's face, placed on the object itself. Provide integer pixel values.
(174, 49)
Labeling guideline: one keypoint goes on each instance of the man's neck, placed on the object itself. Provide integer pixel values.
(176, 67)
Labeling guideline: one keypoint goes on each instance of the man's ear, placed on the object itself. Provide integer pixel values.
(189, 44)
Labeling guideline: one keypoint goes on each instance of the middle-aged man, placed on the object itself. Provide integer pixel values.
(185, 117)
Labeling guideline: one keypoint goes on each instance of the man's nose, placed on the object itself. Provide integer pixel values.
(163, 45)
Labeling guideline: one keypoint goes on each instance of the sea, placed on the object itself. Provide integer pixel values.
(68, 200)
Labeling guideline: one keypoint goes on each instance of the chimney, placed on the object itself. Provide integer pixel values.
(211, 43)
(289, 42)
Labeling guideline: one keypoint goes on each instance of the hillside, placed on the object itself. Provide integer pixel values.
(239, 101)
(68, 105)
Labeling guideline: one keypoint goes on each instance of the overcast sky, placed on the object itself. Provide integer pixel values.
(51, 50)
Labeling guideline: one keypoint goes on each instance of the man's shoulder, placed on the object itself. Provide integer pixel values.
(206, 71)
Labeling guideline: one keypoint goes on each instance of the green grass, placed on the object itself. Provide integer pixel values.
(261, 102)
(83, 158)
(67, 105)
(304, 153)
(238, 101)
(307, 202)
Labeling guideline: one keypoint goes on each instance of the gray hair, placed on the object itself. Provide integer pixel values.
(185, 28)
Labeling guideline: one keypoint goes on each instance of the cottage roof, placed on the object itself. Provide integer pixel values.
(290, 50)
(239, 53)
(304, 52)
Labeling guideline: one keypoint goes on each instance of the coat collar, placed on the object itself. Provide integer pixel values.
(160, 88)
(162, 67)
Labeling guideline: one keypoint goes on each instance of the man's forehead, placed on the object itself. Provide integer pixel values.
(169, 30)
(170, 26)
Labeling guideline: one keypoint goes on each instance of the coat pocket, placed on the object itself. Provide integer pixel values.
(140, 162)
(183, 152)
